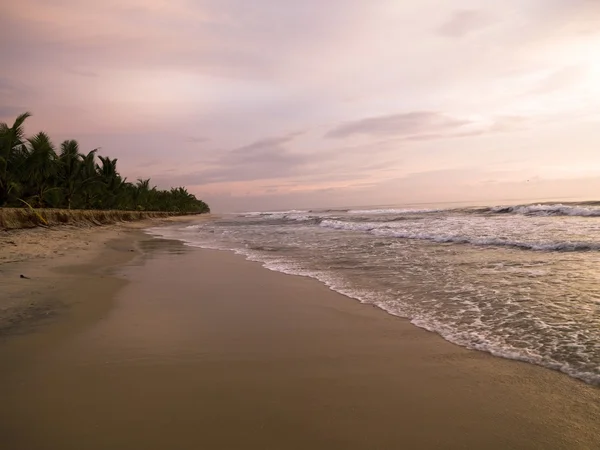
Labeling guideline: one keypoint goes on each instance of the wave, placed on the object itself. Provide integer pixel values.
(283, 217)
(481, 342)
(328, 210)
(590, 209)
(271, 213)
(317, 218)
(393, 211)
(386, 231)
(547, 210)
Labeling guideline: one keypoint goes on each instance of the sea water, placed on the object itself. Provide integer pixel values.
(521, 282)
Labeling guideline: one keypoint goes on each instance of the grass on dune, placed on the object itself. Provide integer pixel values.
(15, 218)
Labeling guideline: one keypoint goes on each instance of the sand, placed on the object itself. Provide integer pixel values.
(180, 348)
(35, 252)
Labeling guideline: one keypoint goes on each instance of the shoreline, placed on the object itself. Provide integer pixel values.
(35, 253)
(585, 378)
(290, 346)
(532, 306)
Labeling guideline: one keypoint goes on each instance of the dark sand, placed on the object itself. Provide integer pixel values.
(197, 349)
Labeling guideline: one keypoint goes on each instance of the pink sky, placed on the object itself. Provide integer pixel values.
(284, 104)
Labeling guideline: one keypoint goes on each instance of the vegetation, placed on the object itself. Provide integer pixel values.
(33, 172)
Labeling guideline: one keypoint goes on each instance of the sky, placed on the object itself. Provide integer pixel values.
(282, 104)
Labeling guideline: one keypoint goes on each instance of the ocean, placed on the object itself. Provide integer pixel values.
(520, 282)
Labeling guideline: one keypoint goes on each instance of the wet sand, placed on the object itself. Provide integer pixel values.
(39, 253)
(170, 347)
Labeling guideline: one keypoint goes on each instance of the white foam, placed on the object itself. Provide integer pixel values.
(295, 216)
(392, 211)
(272, 213)
(388, 230)
(548, 210)
(476, 341)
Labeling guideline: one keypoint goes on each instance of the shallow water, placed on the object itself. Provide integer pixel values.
(521, 282)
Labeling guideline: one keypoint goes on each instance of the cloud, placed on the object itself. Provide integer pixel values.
(424, 126)
(264, 151)
(412, 123)
(267, 158)
(509, 123)
(81, 72)
(196, 140)
(562, 78)
(225, 38)
(462, 23)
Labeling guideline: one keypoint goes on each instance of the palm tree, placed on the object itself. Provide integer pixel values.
(41, 166)
(141, 194)
(11, 141)
(110, 179)
(89, 173)
(73, 175)
(30, 169)
(70, 169)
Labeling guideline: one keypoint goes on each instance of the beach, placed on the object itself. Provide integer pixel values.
(135, 342)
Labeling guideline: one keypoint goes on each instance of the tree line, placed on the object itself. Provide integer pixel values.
(34, 172)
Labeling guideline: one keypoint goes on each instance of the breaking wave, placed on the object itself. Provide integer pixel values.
(547, 210)
(393, 211)
(441, 238)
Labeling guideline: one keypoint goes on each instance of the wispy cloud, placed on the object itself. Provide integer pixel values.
(562, 78)
(267, 158)
(463, 22)
(270, 151)
(82, 72)
(196, 139)
(404, 124)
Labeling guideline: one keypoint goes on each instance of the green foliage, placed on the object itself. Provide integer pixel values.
(32, 171)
